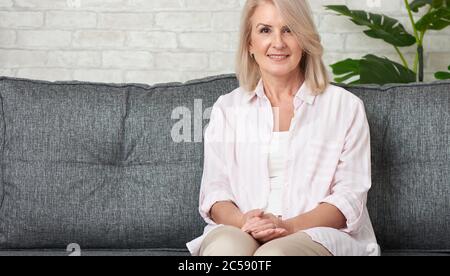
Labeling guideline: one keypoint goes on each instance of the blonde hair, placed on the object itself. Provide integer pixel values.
(297, 15)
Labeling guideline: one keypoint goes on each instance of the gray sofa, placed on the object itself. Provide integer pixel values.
(96, 165)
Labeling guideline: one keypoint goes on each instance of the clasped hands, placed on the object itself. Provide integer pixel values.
(264, 227)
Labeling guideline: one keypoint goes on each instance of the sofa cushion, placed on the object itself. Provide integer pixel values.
(94, 164)
(408, 253)
(410, 198)
(2, 134)
(96, 252)
(62, 142)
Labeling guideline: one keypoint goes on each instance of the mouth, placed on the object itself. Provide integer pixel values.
(278, 57)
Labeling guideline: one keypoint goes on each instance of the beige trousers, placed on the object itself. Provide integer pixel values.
(232, 241)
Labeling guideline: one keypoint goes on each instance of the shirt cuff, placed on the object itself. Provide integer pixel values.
(210, 200)
(350, 207)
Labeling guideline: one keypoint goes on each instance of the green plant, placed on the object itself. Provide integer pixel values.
(443, 75)
(381, 70)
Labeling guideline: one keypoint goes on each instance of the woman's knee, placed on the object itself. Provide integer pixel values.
(270, 249)
(299, 244)
(228, 241)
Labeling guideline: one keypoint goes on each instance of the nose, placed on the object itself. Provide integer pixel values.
(278, 42)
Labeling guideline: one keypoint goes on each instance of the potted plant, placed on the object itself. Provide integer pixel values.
(381, 70)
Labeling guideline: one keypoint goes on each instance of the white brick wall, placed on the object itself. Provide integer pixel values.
(153, 41)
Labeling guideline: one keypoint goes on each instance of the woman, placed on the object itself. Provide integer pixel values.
(287, 155)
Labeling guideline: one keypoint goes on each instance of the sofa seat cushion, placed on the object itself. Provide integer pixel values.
(97, 252)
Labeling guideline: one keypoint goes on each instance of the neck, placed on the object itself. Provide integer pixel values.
(277, 88)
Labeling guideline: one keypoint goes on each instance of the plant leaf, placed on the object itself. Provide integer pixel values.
(372, 70)
(380, 26)
(382, 70)
(417, 4)
(345, 69)
(346, 77)
(442, 75)
(345, 66)
(435, 20)
(439, 3)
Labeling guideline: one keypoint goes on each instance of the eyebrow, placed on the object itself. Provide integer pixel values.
(266, 25)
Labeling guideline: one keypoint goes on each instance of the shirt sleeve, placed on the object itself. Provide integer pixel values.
(215, 185)
(352, 179)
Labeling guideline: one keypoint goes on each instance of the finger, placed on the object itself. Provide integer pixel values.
(264, 227)
(253, 226)
(259, 213)
(256, 213)
(253, 220)
(281, 232)
(267, 215)
(278, 233)
(263, 234)
(246, 229)
(269, 238)
(249, 224)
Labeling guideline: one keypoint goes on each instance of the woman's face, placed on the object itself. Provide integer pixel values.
(276, 49)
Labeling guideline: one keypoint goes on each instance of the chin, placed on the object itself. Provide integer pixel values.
(279, 73)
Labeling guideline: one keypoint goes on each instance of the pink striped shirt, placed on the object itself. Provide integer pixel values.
(329, 162)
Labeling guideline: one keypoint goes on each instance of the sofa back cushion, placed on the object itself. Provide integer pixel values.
(95, 164)
(60, 181)
(409, 202)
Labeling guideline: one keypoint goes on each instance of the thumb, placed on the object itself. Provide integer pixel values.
(256, 213)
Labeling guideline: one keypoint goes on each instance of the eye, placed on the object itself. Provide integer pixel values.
(287, 30)
(264, 30)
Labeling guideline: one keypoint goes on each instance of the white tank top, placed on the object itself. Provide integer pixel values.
(279, 147)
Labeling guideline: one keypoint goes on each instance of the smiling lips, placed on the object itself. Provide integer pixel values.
(278, 57)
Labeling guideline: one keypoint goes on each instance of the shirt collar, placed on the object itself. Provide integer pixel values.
(303, 93)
